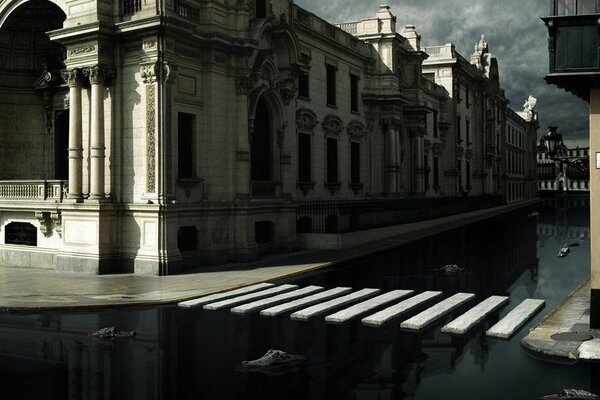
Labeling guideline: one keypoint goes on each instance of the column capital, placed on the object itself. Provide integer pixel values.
(390, 123)
(72, 77)
(98, 75)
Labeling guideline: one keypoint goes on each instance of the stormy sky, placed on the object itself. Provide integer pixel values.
(516, 36)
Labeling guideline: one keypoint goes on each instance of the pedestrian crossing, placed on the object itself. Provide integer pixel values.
(342, 305)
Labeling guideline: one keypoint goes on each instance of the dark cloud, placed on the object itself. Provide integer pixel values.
(516, 35)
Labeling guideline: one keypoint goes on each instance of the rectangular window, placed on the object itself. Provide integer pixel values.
(468, 173)
(459, 169)
(303, 86)
(353, 93)
(304, 158)
(467, 96)
(332, 160)
(185, 139)
(435, 124)
(261, 9)
(468, 131)
(436, 172)
(426, 166)
(458, 136)
(331, 85)
(355, 162)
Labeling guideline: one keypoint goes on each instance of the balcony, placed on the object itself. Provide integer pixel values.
(33, 191)
(574, 57)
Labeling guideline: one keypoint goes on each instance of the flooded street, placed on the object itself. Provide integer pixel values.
(197, 354)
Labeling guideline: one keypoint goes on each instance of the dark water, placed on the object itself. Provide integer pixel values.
(182, 354)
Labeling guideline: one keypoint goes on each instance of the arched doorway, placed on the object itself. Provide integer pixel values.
(32, 91)
(260, 146)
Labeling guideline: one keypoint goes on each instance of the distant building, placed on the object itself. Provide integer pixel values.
(556, 177)
(521, 148)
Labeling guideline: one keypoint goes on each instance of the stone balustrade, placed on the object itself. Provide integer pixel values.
(41, 190)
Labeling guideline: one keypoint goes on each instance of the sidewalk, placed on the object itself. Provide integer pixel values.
(36, 289)
(573, 315)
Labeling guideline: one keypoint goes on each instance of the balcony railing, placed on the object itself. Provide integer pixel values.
(336, 216)
(350, 27)
(53, 191)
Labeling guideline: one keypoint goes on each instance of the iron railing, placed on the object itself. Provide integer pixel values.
(339, 216)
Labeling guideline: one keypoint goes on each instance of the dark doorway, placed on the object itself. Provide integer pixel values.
(61, 145)
(260, 147)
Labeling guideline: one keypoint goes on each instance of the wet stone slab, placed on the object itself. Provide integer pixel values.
(515, 319)
(307, 301)
(271, 301)
(382, 317)
(475, 315)
(222, 296)
(318, 309)
(432, 314)
(252, 296)
(359, 309)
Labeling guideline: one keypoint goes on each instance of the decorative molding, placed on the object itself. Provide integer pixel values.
(244, 85)
(169, 72)
(460, 151)
(356, 187)
(149, 44)
(437, 149)
(45, 223)
(356, 130)
(306, 120)
(82, 50)
(426, 146)
(57, 219)
(149, 72)
(333, 187)
(288, 90)
(332, 126)
(150, 139)
(469, 154)
(305, 187)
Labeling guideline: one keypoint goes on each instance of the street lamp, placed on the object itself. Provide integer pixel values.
(553, 145)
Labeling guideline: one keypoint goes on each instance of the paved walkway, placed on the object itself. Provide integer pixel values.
(36, 289)
(573, 315)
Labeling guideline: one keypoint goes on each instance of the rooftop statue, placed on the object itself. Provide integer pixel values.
(529, 108)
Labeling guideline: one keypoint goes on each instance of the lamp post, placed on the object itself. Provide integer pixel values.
(553, 145)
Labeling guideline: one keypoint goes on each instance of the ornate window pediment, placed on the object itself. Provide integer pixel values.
(306, 120)
(356, 130)
(332, 126)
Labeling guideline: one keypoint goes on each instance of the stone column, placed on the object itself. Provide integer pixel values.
(595, 208)
(97, 75)
(392, 159)
(72, 77)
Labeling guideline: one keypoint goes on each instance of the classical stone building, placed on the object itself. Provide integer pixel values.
(521, 152)
(556, 177)
(152, 136)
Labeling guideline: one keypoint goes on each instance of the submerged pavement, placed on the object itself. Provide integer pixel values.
(571, 316)
(39, 289)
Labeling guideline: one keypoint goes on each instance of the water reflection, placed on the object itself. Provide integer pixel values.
(195, 355)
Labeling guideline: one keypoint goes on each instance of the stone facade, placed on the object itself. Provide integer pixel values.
(555, 177)
(148, 137)
(521, 150)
